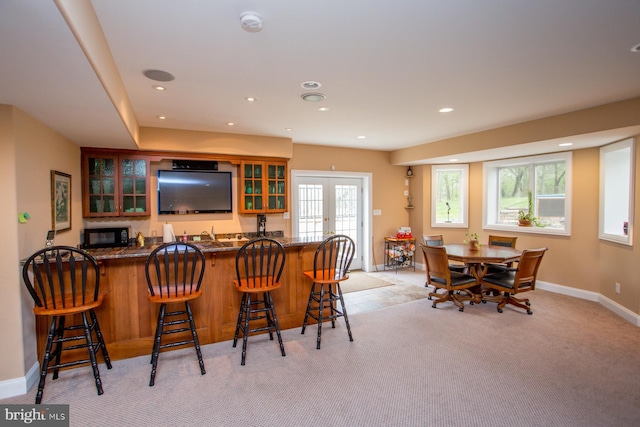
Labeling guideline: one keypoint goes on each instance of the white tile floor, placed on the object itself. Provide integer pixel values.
(408, 286)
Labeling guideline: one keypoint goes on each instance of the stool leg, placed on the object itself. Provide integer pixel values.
(103, 346)
(156, 344)
(92, 352)
(320, 313)
(45, 359)
(196, 343)
(306, 314)
(245, 332)
(239, 322)
(344, 311)
(275, 321)
(332, 305)
(59, 336)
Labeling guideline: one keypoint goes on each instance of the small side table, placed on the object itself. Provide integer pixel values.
(399, 253)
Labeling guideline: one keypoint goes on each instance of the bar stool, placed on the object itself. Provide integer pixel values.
(331, 264)
(174, 274)
(65, 282)
(259, 265)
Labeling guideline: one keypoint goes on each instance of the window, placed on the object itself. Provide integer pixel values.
(617, 166)
(540, 185)
(449, 195)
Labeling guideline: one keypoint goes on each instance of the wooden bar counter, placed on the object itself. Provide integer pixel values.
(128, 319)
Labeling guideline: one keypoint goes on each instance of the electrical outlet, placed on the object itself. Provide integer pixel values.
(617, 288)
(406, 192)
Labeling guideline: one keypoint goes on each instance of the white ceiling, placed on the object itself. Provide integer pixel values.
(386, 66)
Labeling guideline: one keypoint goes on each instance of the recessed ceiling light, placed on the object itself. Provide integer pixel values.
(313, 96)
(310, 85)
(158, 75)
(636, 48)
(565, 144)
(251, 99)
(162, 117)
(453, 160)
(230, 124)
(361, 137)
(160, 88)
(446, 110)
(288, 129)
(323, 109)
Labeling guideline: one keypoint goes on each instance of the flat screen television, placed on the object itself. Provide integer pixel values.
(194, 192)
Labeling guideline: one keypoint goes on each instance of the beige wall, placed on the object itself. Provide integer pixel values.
(30, 151)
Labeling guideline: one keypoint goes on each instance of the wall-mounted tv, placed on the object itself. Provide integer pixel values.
(194, 192)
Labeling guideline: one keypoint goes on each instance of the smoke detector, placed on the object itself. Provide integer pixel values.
(251, 22)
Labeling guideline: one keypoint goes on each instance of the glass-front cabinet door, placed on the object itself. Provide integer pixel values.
(100, 185)
(263, 187)
(114, 185)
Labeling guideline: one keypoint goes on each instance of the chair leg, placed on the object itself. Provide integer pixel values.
(344, 312)
(45, 359)
(103, 346)
(92, 352)
(156, 344)
(268, 310)
(275, 321)
(196, 343)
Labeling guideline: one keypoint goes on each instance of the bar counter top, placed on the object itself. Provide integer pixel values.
(205, 246)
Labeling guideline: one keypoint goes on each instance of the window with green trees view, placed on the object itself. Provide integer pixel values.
(449, 195)
(509, 183)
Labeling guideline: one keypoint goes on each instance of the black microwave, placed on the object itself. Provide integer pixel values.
(106, 237)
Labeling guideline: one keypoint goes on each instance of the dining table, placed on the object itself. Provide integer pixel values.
(478, 257)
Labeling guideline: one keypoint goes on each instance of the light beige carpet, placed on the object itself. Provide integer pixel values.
(361, 281)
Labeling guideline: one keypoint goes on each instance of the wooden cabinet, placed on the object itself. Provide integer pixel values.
(114, 184)
(263, 187)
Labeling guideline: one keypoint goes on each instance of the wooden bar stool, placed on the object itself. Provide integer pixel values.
(259, 265)
(174, 274)
(64, 282)
(331, 264)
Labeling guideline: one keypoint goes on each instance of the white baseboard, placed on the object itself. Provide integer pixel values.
(20, 386)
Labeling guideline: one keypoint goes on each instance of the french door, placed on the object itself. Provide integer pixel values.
(327, 206)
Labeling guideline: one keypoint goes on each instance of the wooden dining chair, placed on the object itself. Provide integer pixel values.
(514, 281)
(506, 241)
(438, 240)
(259, 266)
(440, 276)
(64, 283)
(174, 275)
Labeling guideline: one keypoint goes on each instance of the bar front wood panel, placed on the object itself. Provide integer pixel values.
(127, 318)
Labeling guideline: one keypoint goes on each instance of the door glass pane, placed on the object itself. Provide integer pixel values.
(257, 171)
(272, 171)
(310, 219)
(108, 167)
(94, 185)
(127, 167)
(109, 205)
(346, 202)
(108, 186)
(248, 171)
(258, 187)
(141, 203)
(127, 185)
(272, 202)
(127, 203)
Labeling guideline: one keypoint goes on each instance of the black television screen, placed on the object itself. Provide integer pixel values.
(192, 192)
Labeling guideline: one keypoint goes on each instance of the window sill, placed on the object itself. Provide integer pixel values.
(527, 230)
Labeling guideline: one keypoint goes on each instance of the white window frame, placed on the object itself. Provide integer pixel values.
(617, 178)
(464, 195)
(490, 194)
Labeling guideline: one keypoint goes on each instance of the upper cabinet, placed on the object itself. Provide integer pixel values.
(263, 187)
(114, 184)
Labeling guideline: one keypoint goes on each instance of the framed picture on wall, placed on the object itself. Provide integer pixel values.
(60, 201)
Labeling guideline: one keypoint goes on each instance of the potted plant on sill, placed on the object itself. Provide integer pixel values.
(528, 219)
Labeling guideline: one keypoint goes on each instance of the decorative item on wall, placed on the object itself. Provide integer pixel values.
(60, 201)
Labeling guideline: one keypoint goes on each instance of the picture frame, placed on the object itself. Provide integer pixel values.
(60, 201)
